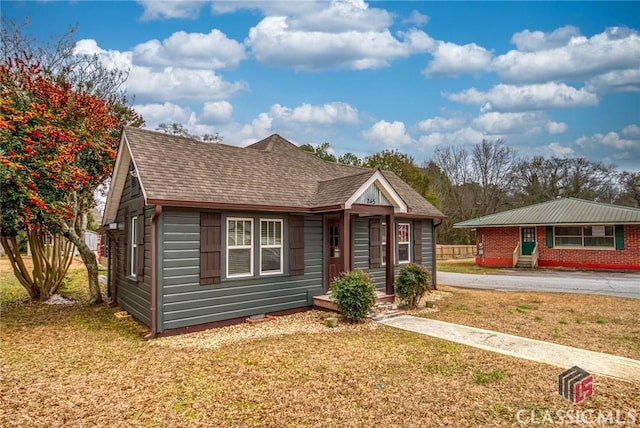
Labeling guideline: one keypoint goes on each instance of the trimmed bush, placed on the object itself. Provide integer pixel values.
(354, 293)
(412, 284)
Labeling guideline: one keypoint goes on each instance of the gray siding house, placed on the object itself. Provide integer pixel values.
(209, 233)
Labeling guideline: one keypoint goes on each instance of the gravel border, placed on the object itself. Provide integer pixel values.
(309, 322)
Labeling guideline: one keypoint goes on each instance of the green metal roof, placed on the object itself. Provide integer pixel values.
(558, 211)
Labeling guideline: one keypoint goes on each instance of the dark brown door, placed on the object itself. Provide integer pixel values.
(334, 249)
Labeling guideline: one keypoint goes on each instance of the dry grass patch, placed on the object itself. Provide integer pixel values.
(598, 323)
(77, 366)
(83, 368)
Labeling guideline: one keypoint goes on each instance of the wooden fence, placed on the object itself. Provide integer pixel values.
(444, 252)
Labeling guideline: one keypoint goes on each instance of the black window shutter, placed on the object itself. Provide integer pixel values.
(210, 243)
(417, 242)
(127, 252)
(375, 242)
(549, 236)
(140, 242)
(296, 245)
(619, 237)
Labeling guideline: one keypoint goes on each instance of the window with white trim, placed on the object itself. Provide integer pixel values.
(270, 246)
(595, 236)
(383, 242)
(133, 246)
(404, 242)
(239, 247)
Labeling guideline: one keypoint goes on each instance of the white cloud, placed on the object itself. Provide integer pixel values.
(616, 49)
(391, 134)
(167, 112)
(191, 50)
(271, 7)
(416, 18)
(154, 9)
(463, 136)
(518, 123)
(556, 127)
(327, 114)
(259, 128)
(111, 59)
(274, 43)
(558, 150)
(610, 139)
(450, 59)
(212, 114)
(631, 131)
(323, 16)
(532, 41)
(526, 97)
(623, 147)
(438, 123)
(510, 123)
(180, 84)
(217, 112)
(615, 81)
(168, 83)
(341, 16)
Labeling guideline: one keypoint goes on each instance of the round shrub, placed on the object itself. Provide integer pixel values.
(412, 284)
(354, 293)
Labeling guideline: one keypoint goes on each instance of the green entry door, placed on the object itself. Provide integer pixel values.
(528, 237)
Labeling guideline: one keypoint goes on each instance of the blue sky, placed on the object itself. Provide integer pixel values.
(550, 78)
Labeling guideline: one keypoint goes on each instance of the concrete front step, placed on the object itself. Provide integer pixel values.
(524, 262)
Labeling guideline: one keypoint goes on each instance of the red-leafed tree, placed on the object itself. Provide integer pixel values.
(59, 136)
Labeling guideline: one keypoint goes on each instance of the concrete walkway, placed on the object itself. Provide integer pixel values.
(562, 356)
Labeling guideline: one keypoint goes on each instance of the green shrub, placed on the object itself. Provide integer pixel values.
(412, 284)
(354, 293)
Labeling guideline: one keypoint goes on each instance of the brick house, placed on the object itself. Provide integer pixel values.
(200, 234)
(565, 232)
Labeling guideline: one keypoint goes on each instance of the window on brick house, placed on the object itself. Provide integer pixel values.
(595, 236)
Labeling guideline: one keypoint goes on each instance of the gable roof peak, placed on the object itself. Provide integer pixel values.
(272, 143)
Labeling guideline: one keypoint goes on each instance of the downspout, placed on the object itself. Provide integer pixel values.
(435, 253)
(154, 295)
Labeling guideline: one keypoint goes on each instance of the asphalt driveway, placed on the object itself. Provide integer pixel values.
(619, 284)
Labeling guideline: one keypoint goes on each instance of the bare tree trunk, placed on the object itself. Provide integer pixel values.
(91, 263)
(51, 258)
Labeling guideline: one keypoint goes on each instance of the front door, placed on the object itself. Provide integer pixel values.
(528, 239)
(334, 248)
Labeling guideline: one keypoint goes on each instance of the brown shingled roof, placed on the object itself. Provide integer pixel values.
(270, 173)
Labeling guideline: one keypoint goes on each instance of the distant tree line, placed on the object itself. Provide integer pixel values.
(490, 177)
(180, 130)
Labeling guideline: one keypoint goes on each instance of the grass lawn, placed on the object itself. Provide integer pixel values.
(75, 365)
(598, 323)
(467, 265)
